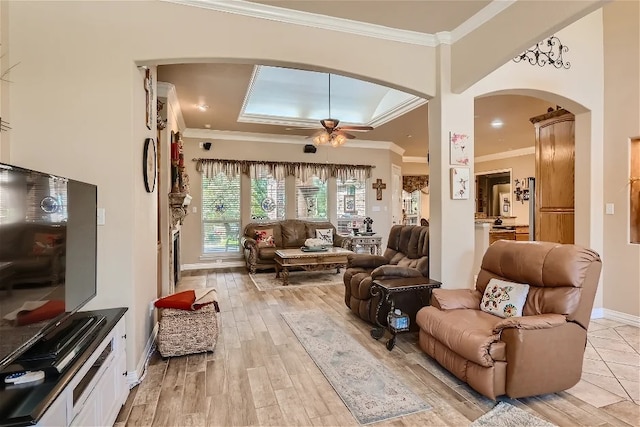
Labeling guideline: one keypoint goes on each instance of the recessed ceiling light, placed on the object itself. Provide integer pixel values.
(207, 126)
(202, 107)
(497, 123)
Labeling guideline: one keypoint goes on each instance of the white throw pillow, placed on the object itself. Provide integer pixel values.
(325, 234)
(504, 299)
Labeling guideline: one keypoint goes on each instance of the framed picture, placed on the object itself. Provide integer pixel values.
(350, 204)
(148, 88)
(459, 183)
(459, 149)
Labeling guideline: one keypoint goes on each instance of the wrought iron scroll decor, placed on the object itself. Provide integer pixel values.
(548, 51)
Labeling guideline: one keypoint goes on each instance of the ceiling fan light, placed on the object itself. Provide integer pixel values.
(340, 139)
(324, 138)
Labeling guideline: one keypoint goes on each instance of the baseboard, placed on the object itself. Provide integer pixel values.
(597, 313)
(625, 318)
(212, 265)
(134, 378)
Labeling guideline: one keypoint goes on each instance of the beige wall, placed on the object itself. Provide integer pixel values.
(191, 234)
(521, 167)
(76, 105)
(78, 60)
(622, 121)
(567, 88)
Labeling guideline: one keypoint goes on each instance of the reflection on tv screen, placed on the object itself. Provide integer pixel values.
(47, 253)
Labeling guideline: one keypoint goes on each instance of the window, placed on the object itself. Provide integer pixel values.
(267, 197)
(311, 199)
(351, 204)
(220, 214)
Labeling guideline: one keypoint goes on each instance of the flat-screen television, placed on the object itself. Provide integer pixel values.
(48, 239)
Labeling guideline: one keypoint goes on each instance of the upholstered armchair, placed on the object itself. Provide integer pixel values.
(545, 293)
(405, 261)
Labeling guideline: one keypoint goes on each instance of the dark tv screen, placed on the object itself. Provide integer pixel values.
(47, 254)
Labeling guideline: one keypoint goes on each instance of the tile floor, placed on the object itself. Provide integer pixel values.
(611, 369)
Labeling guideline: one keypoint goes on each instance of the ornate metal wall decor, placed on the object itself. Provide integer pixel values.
(548, 51)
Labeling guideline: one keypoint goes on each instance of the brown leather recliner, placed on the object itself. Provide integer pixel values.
(405, 261)
(539, 352)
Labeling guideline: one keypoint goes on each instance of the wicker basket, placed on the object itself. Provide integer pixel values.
(186, 332)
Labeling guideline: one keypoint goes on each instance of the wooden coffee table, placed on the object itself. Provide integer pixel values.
(309, 261)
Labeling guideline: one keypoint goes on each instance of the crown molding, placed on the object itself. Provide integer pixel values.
(167, 90)
(398, 111)
(282, 139)
(290, 16)
(506, 154)
(483, 16)
(410, 159)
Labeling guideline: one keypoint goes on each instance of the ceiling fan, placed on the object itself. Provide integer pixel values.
(332, 133)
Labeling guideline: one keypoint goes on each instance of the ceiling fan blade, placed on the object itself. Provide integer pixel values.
(317, 133)
(356, 128)
(343, 133)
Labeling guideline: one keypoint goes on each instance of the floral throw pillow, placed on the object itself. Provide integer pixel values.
(325, 234)
(504, 299)
(264, 238)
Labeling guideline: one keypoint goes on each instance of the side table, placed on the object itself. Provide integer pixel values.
(418, 288)
(369, 244)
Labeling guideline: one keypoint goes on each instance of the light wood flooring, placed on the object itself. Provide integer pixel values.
(261, 375)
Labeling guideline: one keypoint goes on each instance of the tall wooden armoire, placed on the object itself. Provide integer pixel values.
(555, 176)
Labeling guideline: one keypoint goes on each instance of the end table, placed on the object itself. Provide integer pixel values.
(387, 290)
(369, 244)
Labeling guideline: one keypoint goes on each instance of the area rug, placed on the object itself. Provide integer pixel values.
(507, 415)
(370, 390)
(297, 279)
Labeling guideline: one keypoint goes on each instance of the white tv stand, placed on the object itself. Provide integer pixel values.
(91, 391)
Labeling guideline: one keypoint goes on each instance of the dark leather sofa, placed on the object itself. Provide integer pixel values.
(32, 253)
(405, 261)
(288, 233)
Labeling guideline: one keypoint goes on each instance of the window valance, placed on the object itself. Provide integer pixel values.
(279, 170)
(411, 183)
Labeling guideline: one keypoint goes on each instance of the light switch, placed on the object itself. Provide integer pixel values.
(375, 208)
(609, 209)
(194, 209)
(101, 216)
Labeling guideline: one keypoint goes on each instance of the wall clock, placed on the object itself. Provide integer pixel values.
(149, 165)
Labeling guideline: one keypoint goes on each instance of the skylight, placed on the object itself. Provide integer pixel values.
(290, 97)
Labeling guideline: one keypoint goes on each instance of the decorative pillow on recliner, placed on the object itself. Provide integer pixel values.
(264, 238)
(504, 299)
(325, 234)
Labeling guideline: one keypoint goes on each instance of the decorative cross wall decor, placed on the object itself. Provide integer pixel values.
(379, 186)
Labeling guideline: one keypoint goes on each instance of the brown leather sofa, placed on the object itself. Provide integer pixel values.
(288, 233)
(539, 352)
(405, 261)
